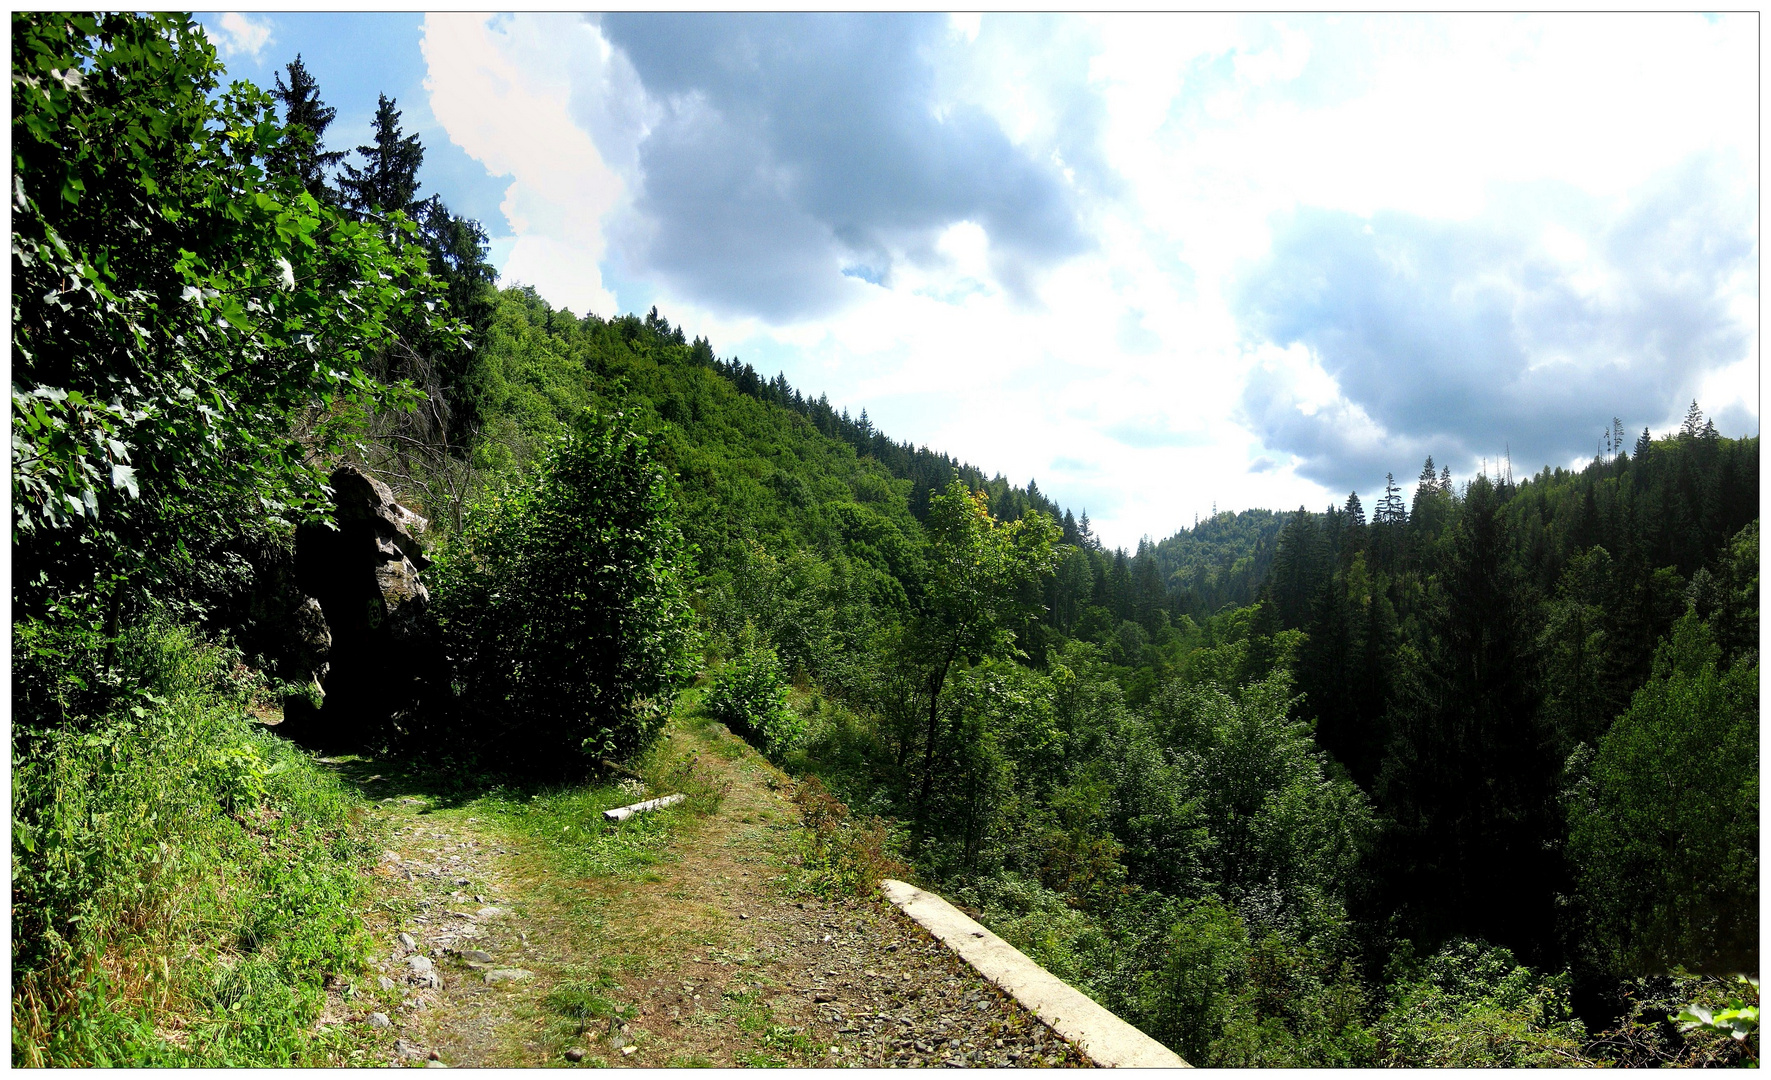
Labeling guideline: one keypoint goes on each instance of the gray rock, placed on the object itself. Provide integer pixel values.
(435, 1064)
(379, 1020)
(504, 975)
(407, 1049)
(422, 972)
(477, 956)
(408, 942)
(575, 1054)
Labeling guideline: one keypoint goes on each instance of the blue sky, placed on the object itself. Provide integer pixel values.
(1156, 262)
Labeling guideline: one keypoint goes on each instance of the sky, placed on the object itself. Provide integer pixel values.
(1160, 264)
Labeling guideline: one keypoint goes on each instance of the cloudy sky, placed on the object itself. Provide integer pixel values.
(1156, 262)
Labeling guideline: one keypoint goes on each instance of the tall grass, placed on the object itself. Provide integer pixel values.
(183, 881)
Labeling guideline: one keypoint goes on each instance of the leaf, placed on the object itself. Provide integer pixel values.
(123, 476)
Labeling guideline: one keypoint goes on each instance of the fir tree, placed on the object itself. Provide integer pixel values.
(1355, 510)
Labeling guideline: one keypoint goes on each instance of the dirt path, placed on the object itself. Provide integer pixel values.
(700, 953)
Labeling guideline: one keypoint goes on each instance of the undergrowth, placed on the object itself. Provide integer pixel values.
(841, 855)
(183, 881)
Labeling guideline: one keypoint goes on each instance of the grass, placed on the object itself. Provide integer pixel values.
(183, 881)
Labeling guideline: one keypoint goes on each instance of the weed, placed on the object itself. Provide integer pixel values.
(579, 1001)
(568, 821)
(183, 881)
(689, 776)
(841, 856)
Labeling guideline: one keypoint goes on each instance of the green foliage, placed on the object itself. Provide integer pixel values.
(1472, 1004)
(1651, 1032)
(979, 573)
(842, 855)
(1192, 997)
(177, 313)
(1283, 834)
(563, 604)
(176, 867)
(982, 577)
(820, 613)
(1664, 822)
(1738, 1020)
(749, 696)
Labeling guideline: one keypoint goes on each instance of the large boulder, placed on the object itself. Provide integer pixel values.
(363, 574)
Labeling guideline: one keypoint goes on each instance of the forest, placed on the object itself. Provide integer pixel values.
(1470, 779)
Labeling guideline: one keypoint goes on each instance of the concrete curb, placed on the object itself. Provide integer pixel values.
(1103, 1038)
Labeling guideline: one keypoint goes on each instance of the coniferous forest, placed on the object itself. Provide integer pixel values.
(1459, 772)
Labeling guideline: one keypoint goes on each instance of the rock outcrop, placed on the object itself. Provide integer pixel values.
(363, 578)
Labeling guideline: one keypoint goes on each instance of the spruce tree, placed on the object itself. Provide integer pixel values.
(1470, 780)
(388, 178)
(305, 118)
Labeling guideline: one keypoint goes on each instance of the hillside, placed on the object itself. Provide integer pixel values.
(309, 516)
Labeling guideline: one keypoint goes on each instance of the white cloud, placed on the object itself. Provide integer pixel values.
(1218, 126)
(240, 35)
(502, 92)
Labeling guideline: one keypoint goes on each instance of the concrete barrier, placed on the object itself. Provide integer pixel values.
(1103, 1038)
(622, 813)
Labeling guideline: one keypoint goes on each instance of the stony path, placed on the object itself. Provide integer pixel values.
(704, 958)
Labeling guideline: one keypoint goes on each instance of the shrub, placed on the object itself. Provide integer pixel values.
(564, 608)
(1653, 1032)
(1473, 1005)
(841, 856)
(749, 696)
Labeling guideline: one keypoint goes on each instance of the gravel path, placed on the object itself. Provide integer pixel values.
(715, 961)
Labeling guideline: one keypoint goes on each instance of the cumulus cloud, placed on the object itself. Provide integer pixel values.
(1528, 326)
(787, 149)
(502, 91)
(240, 35)
(1158, 259)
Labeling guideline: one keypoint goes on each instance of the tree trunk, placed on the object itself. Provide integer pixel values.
(936, 680)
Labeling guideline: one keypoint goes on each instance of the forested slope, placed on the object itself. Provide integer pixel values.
(1432, 694)
(1473, 781)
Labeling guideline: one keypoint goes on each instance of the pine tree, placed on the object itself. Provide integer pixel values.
(1390, 509)
(388, 178)
(305, 120)
(1471, 777)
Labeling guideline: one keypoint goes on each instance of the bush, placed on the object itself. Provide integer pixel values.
(749, 696)
(842, 856)
(563, 605)
(1472, 1005)
(1649, 1034)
